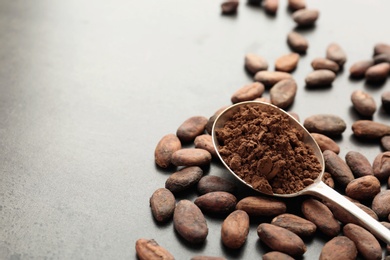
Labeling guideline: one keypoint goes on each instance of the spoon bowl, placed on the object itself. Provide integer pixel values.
(318, 188)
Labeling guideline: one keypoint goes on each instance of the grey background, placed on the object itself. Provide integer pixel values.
(88, 88)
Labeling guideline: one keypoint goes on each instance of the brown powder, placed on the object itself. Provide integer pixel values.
(266, 151)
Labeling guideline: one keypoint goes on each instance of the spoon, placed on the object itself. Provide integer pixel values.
(318, 188)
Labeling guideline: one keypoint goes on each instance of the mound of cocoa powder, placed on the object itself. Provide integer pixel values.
(266, 151)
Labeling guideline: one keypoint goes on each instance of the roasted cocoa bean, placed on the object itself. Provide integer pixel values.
(384, 57)
(326, 124)
(370, 129)
(205, 142)
(270, 78)
(320, 78)
(326, 143)
(248, 92)
(229, 6)
(287, 62)
(275, 255)
(283, 93)
(191, 128)
(305, 17)
(255, 63)
(184, 179)
(300, 226)
(147, 249)
(169, 144)
(281, 239)
(261, 206)
(338, 168)
(381, 204)
(339, 246)
(327, 179)
(297, 42)
(385, 99)
(191, 157)
(271, 6)
(367, 245)
(358, 69)
(377, 73)
(162, 203)
(381, 165)
(336, 53)
(363, 103)
(385, 142)
(380, 48)
(325, 64)
(189, 222)
(235, 229)
(321, 216)
(210, 183)
(218, 202)
(359, 164)
(363, 188)
(296, 4)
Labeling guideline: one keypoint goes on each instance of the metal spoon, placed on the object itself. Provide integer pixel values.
(318, 188)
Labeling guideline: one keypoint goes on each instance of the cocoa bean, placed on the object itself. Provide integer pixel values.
(191, 157)
(147, 249)
(297, 42)
(381, 204)
(211, 119)
(191, 128)
(287, 62)
(381, 165)
(385, 142)
(305, 17)
(359, 164)
(370, 129)
(248, 92)
(169, 144)
(218, 202)
(380, 48)
(229, 6)
(367, 245)
(300, 226)
(270, 78)
(326, 143)
(255, 63)
(338, 168)
(320, 78)
(189, 222)
(281, 239)
(384, 57)
(271, 6)
(283, 93)
(275, 255)
(321, 216)
(385, 99)
(184, 179)
(296, 4)
(205, 142)
(204, 257)
(339, 246)
(358, 69)
(235, 229)
(336, 53)
(162, 203)
(363, 188)
(261, 206)
(377, 73)
(294, 115)
(363, 103)
(326, 124)
(323, 63)
(327, 179)
(210, 183)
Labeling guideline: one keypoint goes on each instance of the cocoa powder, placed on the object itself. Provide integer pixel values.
(266, 151)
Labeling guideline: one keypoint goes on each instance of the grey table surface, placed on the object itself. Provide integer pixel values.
(88, 88)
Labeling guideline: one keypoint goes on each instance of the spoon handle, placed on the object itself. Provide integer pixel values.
(323, 191)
